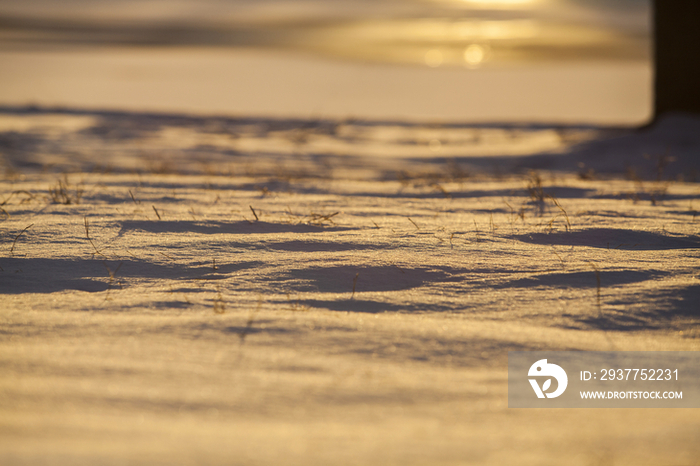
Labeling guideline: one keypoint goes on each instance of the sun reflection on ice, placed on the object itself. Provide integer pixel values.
(475, 54)
(472, 42)
(498, 4)
(433, 58)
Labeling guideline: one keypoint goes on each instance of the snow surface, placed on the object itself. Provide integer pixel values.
(193, 290)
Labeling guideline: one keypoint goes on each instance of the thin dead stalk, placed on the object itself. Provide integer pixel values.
(354, 284)
(112, 276)
(597, 279)
(87, 235)
(133, 198)
(14, 243)
(249, 323)
(219, 304)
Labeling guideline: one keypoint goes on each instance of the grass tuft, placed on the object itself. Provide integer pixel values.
(296, 305)
(64, 193)
(536, 191)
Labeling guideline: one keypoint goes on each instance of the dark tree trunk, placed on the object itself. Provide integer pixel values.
(677, 56)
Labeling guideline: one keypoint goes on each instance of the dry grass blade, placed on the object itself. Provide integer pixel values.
(440, 188)
(398, 268)
(354, 285)
(566, 216)
(597, 278)
(29, 195)
(254, 214)
(414, 223)
(514, 214)
(112, 276)
(14, 243)
(133, 198)
(558, 256)
(156, 211)
(87, 235)
(536, 190)
(319, 219)
(109, 271)
(219, 304)
(249, 323)
(297, 305)
(661, 164)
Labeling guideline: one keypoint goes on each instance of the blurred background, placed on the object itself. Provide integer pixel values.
(482, 61)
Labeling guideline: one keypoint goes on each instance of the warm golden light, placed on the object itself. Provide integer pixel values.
(433, 58)
(474, 55)
(472, 42)
(494, 30)
(435, 145)
(498, 3)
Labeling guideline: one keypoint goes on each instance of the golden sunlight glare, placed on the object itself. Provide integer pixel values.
(498, 3)
(475, 54)
(433, 58)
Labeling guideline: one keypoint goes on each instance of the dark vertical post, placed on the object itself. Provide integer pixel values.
(677, 56)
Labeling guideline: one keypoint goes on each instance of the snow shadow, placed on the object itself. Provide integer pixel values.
(613, 238)
(321, 246)
(437, 193)
(19, 284)
(212, 228)
(672, 309)
(444, 350)
(666, 150)
(683, 302)
(585, 279)
(21, 275)
(366, 306)
(342, 279)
